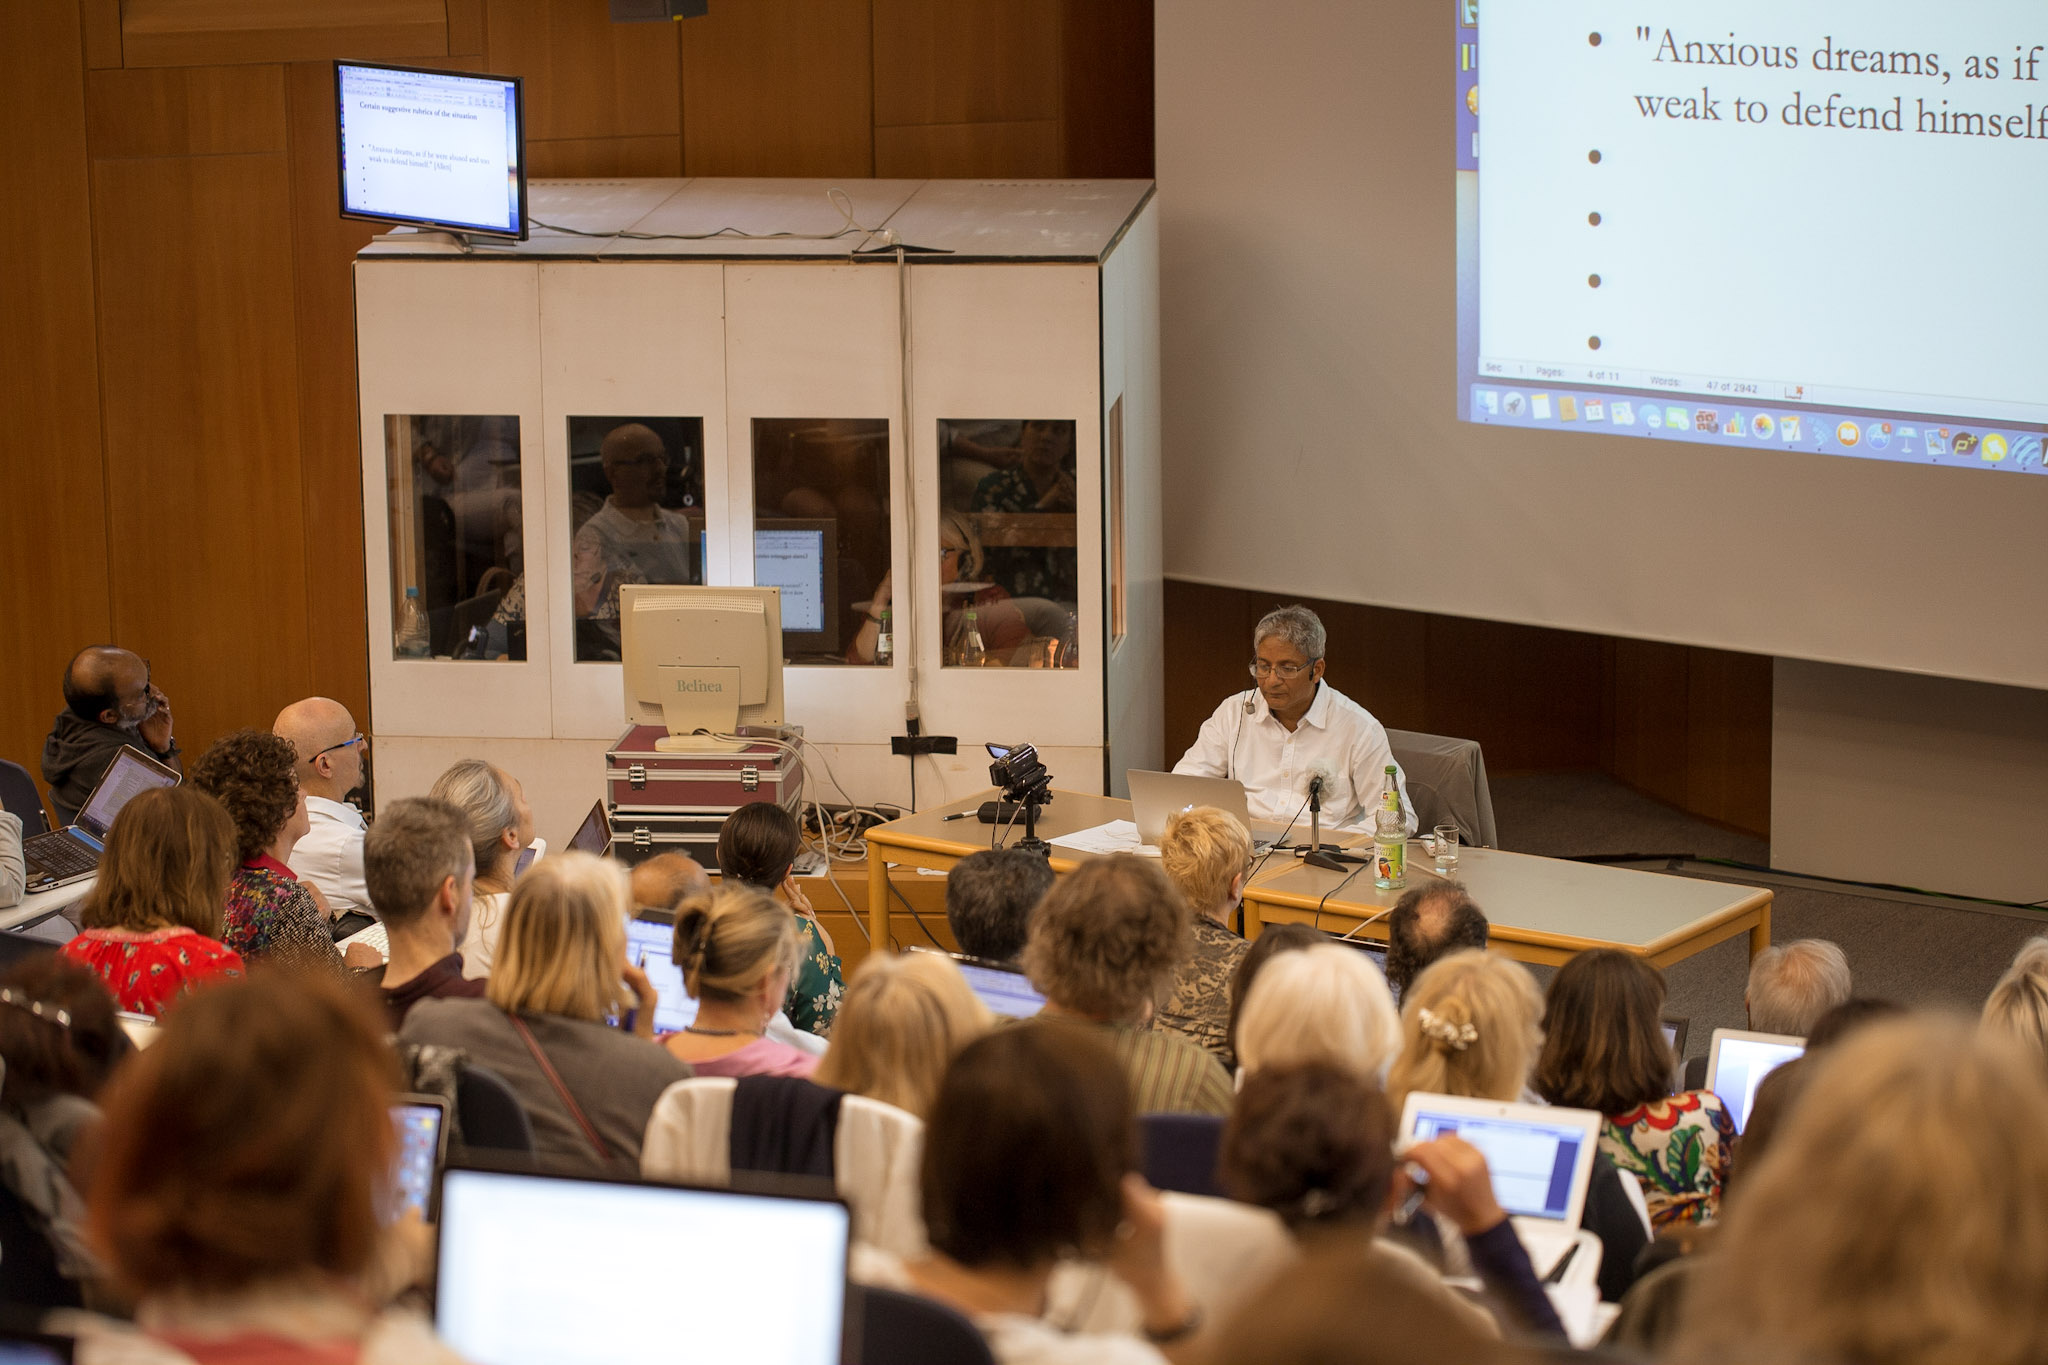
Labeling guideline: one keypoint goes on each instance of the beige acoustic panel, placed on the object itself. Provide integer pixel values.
(232, 32)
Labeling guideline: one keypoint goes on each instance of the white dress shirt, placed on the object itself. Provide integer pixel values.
(1274, 763)
(331, 855)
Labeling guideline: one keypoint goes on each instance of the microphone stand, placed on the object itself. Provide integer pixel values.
(1317, 855)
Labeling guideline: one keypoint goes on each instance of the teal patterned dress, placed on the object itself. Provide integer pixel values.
(1677, 1149)
(815, 989)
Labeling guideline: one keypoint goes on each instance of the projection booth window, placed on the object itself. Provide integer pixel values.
(821, 534)
(1007, 534)
(636, 515)
(458, 550)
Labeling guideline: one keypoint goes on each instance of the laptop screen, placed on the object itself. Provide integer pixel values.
(546, 1270)
(1740, 1065)
(595, 833)
(1008, 994)
(650, 945)
(128, 776)
(1532, 1162)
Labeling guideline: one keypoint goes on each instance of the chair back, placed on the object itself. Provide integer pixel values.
(905, 1329)
(489, 1112)
(1447, 781)
(1180, 1151)
(18, 796)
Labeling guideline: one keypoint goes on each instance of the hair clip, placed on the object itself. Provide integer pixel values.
(41, 1009)
(1443, 1032)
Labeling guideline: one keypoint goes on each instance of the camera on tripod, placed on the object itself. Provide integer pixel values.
(1022, 778)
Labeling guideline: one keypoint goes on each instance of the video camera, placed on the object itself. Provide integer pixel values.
(1016, 771)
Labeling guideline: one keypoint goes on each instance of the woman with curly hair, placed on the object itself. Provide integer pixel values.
(271, 915)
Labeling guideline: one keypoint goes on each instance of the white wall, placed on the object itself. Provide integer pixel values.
(1922, 782)
(1308, 223)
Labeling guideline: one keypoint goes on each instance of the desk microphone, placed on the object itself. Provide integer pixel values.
(1317, 855)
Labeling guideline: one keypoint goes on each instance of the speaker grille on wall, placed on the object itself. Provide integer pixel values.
(644, 11)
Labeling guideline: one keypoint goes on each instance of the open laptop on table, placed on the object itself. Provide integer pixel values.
(1738, 1061)
(72, 854)
(1541, 1160)
(594, 835)
(1157, 797)
(1004, 988)
(564, 1270)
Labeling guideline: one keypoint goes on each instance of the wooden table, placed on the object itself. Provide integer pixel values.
(1542, 909)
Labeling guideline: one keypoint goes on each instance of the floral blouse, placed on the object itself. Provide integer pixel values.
(815, 989)
(1677, 1148)
(146, 971)
(270, 917)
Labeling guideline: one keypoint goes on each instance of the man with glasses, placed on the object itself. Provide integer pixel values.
(1292, 727)
(110, 703)
(331, 752)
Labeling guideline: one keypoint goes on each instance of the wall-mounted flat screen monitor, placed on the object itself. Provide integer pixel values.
(442, 149)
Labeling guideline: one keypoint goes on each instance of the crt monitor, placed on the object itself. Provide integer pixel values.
(441, 149)
(701, 659)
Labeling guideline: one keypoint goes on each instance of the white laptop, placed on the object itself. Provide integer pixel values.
(1001, 986)
(564, 1270)
(1738, 1061)
(1157, 797)
(1541, 1160)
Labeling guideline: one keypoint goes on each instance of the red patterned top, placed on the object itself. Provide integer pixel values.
(147, 971)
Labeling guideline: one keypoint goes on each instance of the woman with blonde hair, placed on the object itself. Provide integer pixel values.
(1206, 853)
(737, 950)
(903, 1019)
(1468, 1027)
(2018, 1004)
(1326, 1003)
(1900, 1215)
(500, 828)
(543, 1026)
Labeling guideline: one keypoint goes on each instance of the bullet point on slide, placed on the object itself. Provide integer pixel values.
(1593, 38)
(1593, 280)
(1593, 342)
(1594, 219)
(1594, 156)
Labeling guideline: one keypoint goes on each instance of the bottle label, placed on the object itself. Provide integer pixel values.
(1390, 863)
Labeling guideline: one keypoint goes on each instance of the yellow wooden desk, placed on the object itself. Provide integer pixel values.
(1542, 909)
(928, 839)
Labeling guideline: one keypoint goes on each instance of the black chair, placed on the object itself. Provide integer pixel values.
(19, 797)
(903, 1329)
(490, 1113)
(18, 947)
(1180, 1151)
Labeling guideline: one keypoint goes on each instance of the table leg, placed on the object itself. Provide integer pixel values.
(1760, 932)
(878, 899)
(1254, 925)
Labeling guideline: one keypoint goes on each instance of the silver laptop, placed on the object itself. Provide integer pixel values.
(1540, 1158)
(1158, 797)
(1738, 1061)
(72, 854)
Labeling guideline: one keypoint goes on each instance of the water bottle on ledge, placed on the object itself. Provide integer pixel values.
(885, 640)
(971, 650)
(412, 640)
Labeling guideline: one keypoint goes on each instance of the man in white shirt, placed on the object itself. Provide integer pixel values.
(1277, 736)
(330, 749)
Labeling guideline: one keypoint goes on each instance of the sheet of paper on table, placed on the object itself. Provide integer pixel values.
(1118, 836)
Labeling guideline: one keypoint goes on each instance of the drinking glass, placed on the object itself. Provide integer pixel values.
(1443, 846)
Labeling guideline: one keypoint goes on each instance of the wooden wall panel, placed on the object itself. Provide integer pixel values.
(102, 22)
(1106, 88)
(586, 77)
(969, 151)
(466, 28)
(606, 157)
(1691, 727)
(216, 111)
(330, 467)
(966, 61)
(779, 87)
(53, 555)
(228, 32)
(208, 548)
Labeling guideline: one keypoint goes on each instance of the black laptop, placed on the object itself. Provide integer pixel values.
(72, 854)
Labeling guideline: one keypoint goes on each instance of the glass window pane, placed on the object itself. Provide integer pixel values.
(1008, 566)
(821, 533)
(636, 515)
(458, 549)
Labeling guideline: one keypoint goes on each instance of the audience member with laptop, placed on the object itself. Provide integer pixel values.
(111, 703)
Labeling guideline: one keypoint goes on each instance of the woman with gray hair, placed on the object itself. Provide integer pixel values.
(2018, 1005)
(500, 825)
(1291, 736)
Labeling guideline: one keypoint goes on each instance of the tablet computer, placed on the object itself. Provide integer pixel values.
(1738, 1061)
(421, 1122)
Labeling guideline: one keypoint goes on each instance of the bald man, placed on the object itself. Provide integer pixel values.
(330, 750)
(110, 703)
